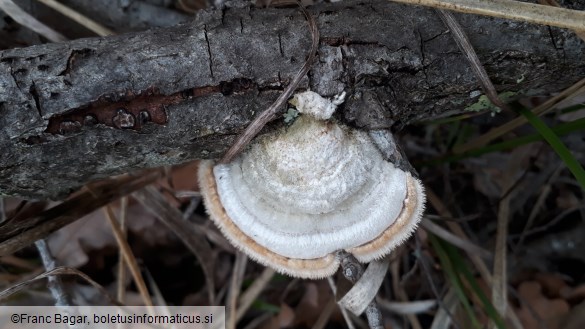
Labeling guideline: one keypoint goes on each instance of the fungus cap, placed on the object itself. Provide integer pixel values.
(298, 196)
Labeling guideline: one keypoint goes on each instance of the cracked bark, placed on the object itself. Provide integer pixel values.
(77, 111)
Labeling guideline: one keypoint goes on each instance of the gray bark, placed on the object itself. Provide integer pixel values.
(90, 108)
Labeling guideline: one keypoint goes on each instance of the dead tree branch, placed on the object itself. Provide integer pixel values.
(76, 111)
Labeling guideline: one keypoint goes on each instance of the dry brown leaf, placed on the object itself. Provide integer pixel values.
(551, 311)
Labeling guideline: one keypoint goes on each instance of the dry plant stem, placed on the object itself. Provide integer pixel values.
(121, 264)
(54, 282)
(193, 238)
(481, 267)
(61, 270)
(539, 203)
(26, 20)
(500, 281)
(352, 270)
(269, 114)
(235, 284)
(79, 18)
(250, 295)
(344, 312)
(325, 314)
(510, 9)
(128, 256)
(554, 3)
(403, 308)
(467, 49)
(22, 233)
(399, 291)
(575, 90)
(466, 245)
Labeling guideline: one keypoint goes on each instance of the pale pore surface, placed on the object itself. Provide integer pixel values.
(314, 190)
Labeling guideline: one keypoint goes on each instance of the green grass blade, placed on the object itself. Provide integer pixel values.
(556, 143)
(453, 277)
(466, 273)
(561, 129)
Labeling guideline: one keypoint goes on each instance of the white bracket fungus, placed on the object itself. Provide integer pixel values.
(299, 195)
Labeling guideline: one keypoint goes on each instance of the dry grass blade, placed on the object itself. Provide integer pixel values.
(325, 314)
(58, 271)
(404, 308)
(510, 9)
(467, 49)
(26, 20)
(269, 114)
(128, 256)
(464, 244)
(554, 3)
(401, 293)
(17, 234)
(79, 18)
(195, 240)
(575, 90)
(235, 284)
(480, 266)
(250, 295)
(500, 281)
(344, 312)
(121, 288)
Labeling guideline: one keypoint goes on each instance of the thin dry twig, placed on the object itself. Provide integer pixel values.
(61, 270)
(469, 52)
(353, 271)
(436, 202)
(26, 20)
(194, 239)
(269, 114)
(500, 281)
(17, 234)
(53, 282)
(250, 295)
(79, 18)
(121, 264)
(128, 256)
(455, 240)
(344, 312)
(576, 89)
(235, 284)
(401, 294)
(510, 9)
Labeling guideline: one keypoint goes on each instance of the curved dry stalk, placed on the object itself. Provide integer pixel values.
(128, 256)
(469, 52)
(269, 114)
(510, 9)
(87, 22)
(25, 19)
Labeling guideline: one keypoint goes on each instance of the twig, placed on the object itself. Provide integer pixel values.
(26, 20)
(253, 292)
(352, 270)
(344, 312)
(499, 283)
(269, 114)
(235, 284)
(510, 9)
(79, 18)
(464, 244)
(577, 89)
(121, 263)
(128, 256)
(53, 282)
(467, 49)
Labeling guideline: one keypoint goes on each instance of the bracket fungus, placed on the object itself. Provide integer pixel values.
(299, 195)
